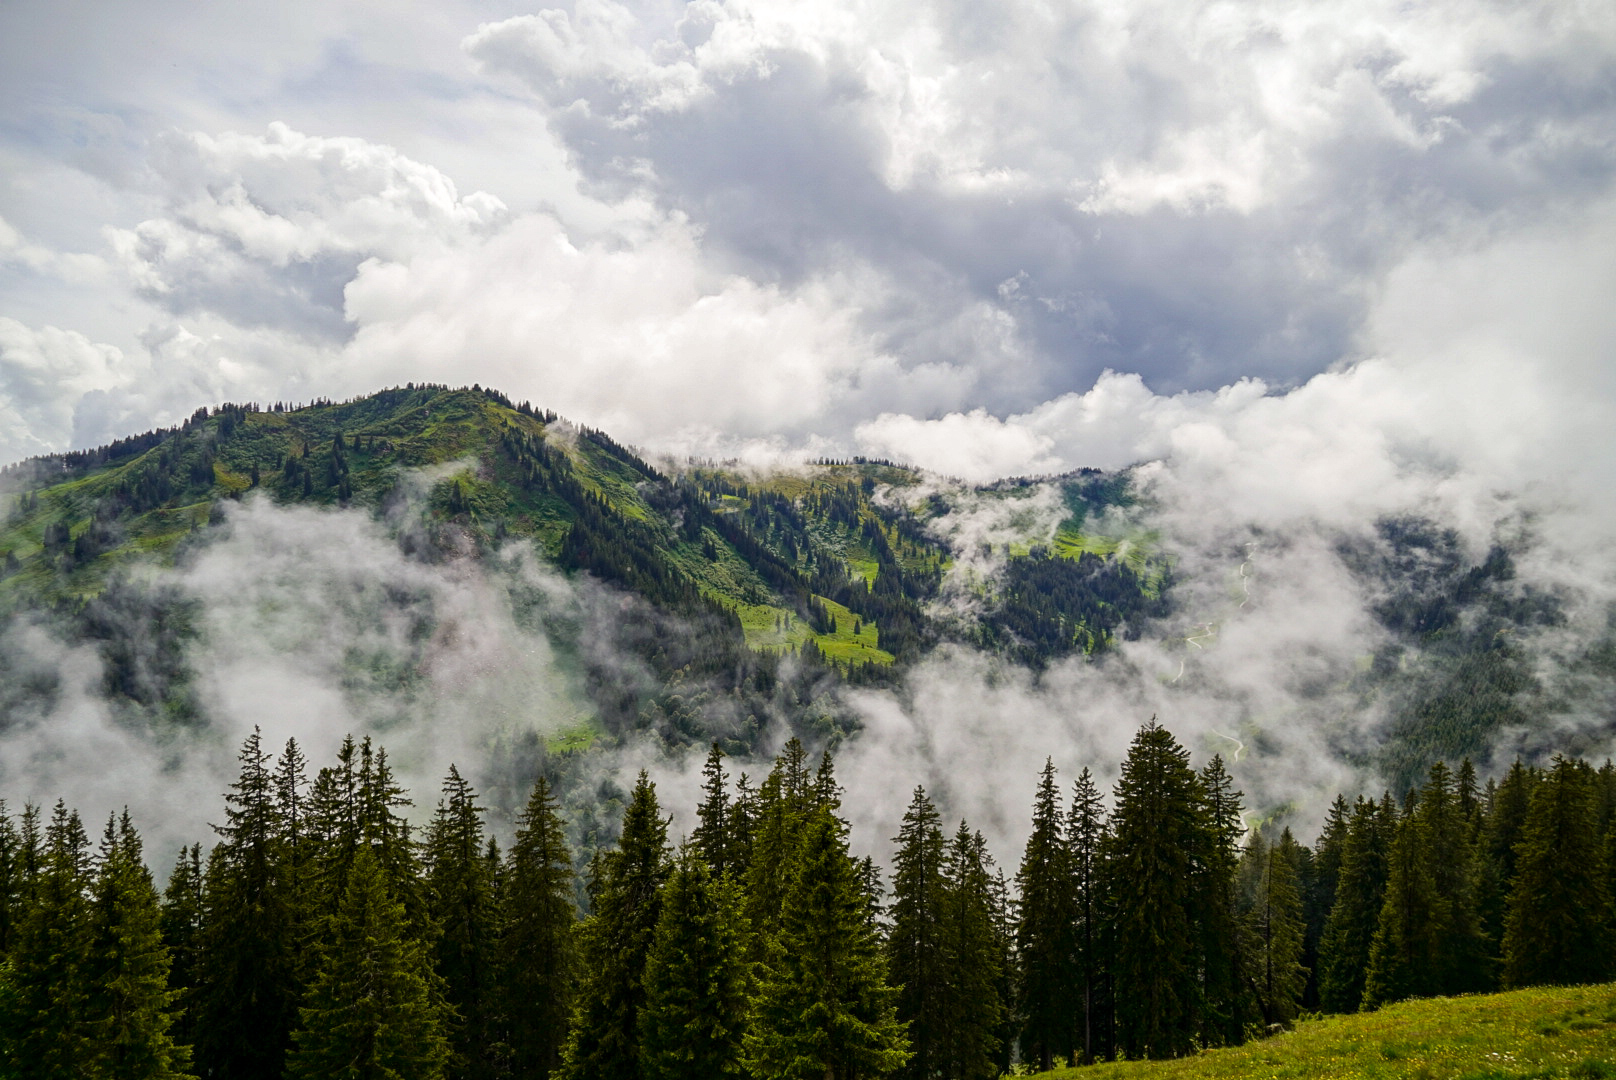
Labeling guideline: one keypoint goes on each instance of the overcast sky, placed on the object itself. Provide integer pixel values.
(990, 238)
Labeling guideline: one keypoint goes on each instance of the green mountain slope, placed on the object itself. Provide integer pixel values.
(828, 565)
(1540, 1033)
(759, 593)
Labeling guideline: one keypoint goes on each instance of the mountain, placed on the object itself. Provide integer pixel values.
(743, 598)
(737, 571)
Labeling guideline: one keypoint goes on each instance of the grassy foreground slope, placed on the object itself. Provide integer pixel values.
(1543, 1032)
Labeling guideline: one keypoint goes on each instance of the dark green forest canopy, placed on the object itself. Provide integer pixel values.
(327, 935)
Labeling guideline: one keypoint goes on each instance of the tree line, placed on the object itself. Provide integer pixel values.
(323, 936)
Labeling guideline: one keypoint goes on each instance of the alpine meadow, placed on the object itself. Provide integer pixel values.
(796, 540)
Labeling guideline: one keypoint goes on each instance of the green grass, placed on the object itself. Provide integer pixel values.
(572, 740)
(1540, 1033)
(844, 645)
(1134, 549)
(773, 629)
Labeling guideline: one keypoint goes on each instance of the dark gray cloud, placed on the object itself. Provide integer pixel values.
(765, 229)
(1141, 195)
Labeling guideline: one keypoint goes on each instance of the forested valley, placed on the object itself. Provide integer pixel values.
(333, 927)
(320, 935)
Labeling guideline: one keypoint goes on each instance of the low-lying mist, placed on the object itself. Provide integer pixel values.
(1282, 652)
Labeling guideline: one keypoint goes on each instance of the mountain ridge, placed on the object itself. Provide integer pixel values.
(796, 575)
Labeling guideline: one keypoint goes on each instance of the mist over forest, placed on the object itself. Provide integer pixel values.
(541, 408)
(476, 582)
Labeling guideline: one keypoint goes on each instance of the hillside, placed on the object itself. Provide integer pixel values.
(758, 595)
(1538, 1033)
(829, 564)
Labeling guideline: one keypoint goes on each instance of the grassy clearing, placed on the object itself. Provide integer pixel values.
(774, 629)
(863, 647)
(572, 740)
(1134, 549)
(1524, 1035)
(771, 629)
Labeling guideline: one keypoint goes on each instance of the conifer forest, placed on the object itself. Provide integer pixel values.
(438, 564)
(797, 540)
(320, 935)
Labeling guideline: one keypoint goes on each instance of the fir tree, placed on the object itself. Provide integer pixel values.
(616, 943)
(697, 985)
(1318, 893)
(825, 1010)
(1044, 932)
(713, 835)
(1552, 933)
(970, 1008)
(1158, 827)
(1085, 841)
(1275, 907)
(129, 1007)
(461, 890)
(537, 949)
(916, 962)
(1225, 1001)
(371, 1013)
(181, 924)
(46, 1035)
(1405, 957)
(247, 964)
(1360, 894)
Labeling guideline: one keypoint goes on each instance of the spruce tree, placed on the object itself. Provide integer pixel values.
(1552, 932)
(370, 1013)
(129, 1007)
(697, 980)
(1275, 907)
(783, 803)
(825, 1010)
(1405, 957)
(916, 963)
(1158, 827)
(1044, 932)
(1462, 946)
(539, 958)
(740, 822)
(1226, 1007)
(970, 1009)
(460, 888)
(181, 924)
(1318, 893)
(295, 855)
(12, 875)
(603, 1043)
(1085, 841)
(1349, 931)
(1505, 817)
(247, 967)
(46, 1034)
(712, 836)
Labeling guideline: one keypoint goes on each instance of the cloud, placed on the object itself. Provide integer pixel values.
(312, 625)
(267, 230)
(1192, 193)
(43, 374)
